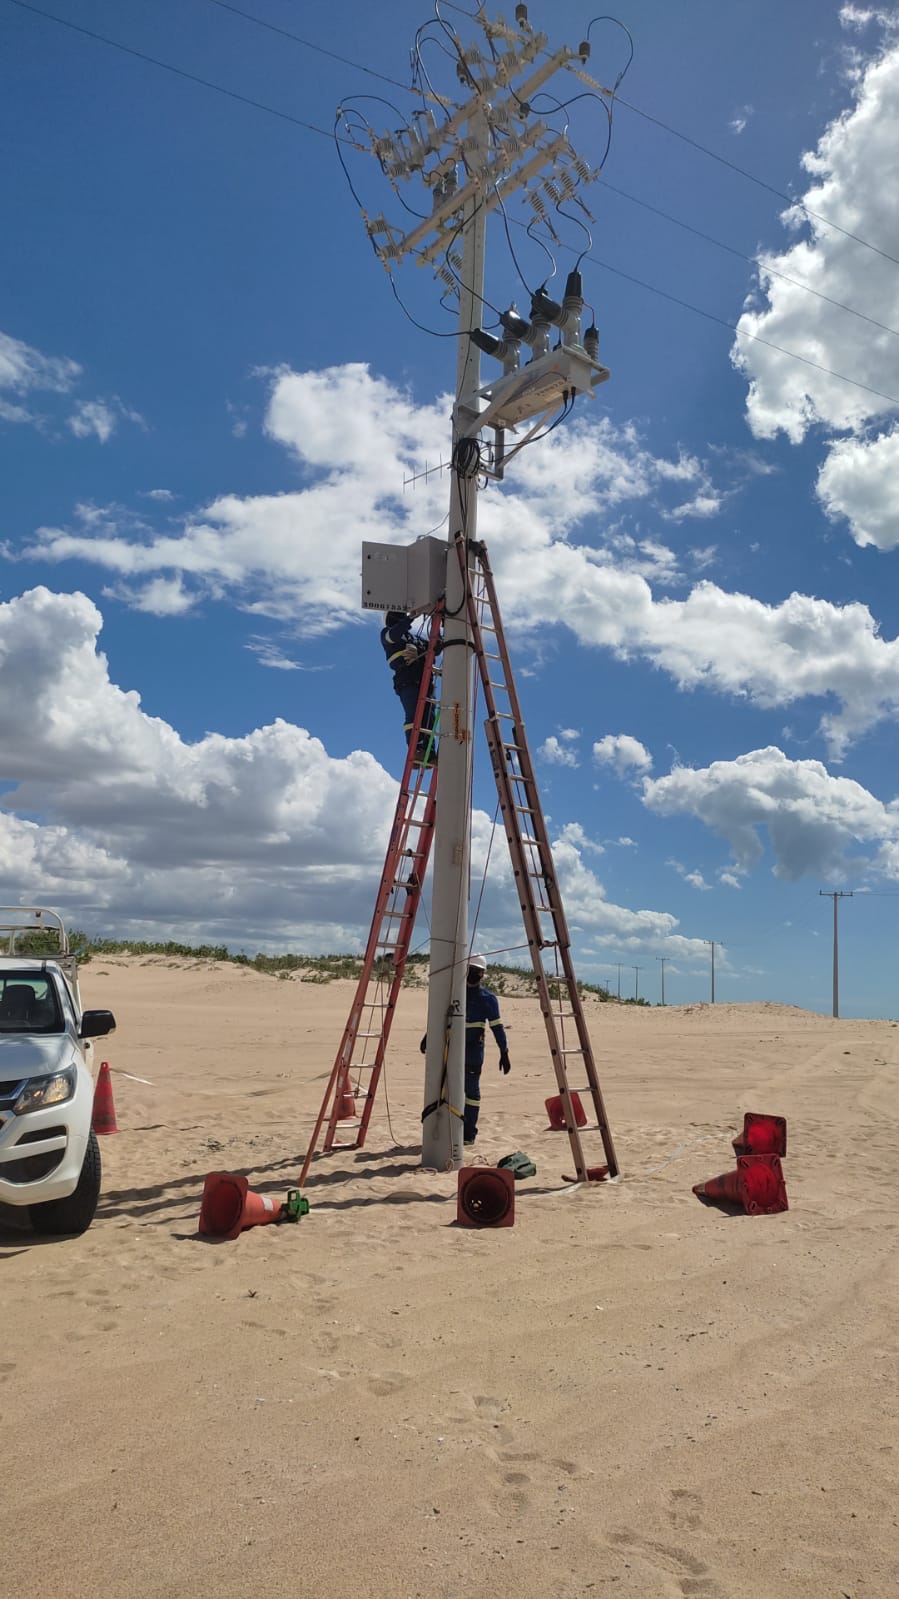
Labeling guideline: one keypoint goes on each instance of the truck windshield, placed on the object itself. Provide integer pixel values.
(28, 1003)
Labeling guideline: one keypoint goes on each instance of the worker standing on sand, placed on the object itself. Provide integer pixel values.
(481, 1011)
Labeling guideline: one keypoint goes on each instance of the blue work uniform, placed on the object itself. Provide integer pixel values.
(407, 676)
(481, 1011)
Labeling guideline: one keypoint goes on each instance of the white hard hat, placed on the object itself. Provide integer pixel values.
(478, 962)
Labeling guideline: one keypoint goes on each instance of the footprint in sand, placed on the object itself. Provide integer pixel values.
(387, 1382)
(685, 1509)
(691, 1574)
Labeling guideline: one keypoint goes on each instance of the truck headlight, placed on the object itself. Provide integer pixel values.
(40, 1092)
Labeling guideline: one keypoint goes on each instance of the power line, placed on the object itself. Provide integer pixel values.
(179, 72)
(751, 177)
(308, 44)
(753, 260)
(741, 333)
(311, 127)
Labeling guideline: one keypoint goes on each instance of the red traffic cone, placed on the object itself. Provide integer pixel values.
(726, 1187)
(762, 1186)
(230, 1206)
(762, 1135)
(486, 1197)
(757, 1184)
(346, 1104)
(555, 1110)
(103, 1117)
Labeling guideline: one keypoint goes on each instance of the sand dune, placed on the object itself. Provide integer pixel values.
(626, 1394)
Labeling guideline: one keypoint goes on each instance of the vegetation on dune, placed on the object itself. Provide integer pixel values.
(509, 981)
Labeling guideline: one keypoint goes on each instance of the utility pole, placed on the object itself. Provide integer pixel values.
(619, 964)
(441, 1132)
(472, 158)
(662, 959)
(637, 971)
(711, 942)
(835, 894)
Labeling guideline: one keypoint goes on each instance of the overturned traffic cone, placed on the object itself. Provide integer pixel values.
(103, 1117)
(486, 1197)
(757, 1184)
(762, 1135)
(555, 1110)
(229, 1206)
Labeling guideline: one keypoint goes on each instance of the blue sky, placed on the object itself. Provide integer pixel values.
(209, 397)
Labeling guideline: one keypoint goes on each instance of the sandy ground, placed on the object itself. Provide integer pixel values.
(626, 1394)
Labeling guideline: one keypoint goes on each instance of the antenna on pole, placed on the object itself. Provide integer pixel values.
(835, 894)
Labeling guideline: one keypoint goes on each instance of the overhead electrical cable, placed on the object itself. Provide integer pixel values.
(311, 127)
(179, 72)
(753, 260)
(797, 205)
(695, 144)
(741, 333)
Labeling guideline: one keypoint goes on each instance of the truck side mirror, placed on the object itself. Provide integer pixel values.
(96, 1023)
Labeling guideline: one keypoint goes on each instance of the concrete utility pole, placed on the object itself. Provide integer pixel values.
(441, 1132)
(619, 964)
(662, 959)
(835, 894)
(471, 158)
(710, 941)
(637, 970)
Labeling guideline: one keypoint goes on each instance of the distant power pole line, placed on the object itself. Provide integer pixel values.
(662, 959)
(710, 941)
(835, 894)
(637, 971)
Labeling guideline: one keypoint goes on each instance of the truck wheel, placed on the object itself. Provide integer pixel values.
(75, 1213)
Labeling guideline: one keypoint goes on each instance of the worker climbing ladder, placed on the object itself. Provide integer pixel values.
(360, 1058)
(399, 896)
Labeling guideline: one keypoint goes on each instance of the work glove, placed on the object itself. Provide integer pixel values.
(410, 654)
(505, 1065)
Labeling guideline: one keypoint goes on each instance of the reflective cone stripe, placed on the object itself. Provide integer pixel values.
(229, 1206)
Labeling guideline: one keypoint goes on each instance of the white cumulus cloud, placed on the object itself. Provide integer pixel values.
(553, 751)
(816, 823)
(260, 841)
(626, 754)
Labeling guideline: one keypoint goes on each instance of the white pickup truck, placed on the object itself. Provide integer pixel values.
(49, 1155)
